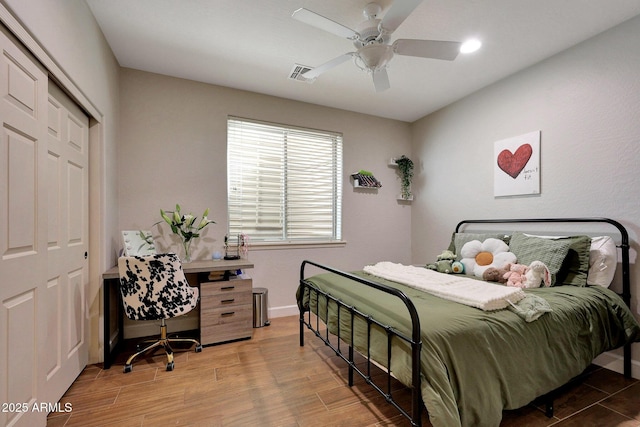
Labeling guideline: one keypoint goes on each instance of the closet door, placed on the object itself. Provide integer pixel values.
(43, 239)
(65, 352)
(23, 237)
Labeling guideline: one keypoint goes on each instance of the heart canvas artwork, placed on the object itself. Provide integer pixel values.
(517, 165)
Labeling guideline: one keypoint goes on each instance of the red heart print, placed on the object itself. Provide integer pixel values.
(513, 164)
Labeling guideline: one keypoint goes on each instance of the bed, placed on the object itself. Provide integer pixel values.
(465, 364)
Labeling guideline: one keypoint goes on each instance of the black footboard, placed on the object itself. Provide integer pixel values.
(415, 414)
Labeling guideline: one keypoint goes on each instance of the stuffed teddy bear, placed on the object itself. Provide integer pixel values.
(515, 275)
(537, 275)
(493, 274)
(444, 263)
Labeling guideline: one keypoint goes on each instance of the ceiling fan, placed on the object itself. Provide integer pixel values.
(371, 40)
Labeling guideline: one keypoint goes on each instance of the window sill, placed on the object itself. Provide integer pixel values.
(259, 246)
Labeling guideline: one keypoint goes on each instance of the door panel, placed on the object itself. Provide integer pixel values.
(52, 356)
(22, 158)
(44, 146)
(68, 149)
(23, 224)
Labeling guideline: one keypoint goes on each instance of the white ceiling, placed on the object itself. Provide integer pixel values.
(253, 45)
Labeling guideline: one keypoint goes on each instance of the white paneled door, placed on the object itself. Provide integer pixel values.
(65, 352)
(43, 240)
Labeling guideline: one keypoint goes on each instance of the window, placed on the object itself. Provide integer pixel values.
(283, 183)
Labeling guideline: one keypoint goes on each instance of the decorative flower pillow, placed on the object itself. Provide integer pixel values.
(478, 256)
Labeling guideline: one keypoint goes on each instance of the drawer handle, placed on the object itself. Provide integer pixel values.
(228, 301)
(227, 288)
(228, 313)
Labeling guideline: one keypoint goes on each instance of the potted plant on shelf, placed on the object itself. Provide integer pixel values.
(405, 166)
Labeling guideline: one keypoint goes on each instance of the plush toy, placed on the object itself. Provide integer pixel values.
(537, 275)
(493, 274)
(444, 263)
(457, 267)
(515, 275)
(478, 256)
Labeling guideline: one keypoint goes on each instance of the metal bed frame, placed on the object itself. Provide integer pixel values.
(415, 414)
(414, 341)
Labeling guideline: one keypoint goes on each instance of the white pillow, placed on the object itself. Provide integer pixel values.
(603, 260)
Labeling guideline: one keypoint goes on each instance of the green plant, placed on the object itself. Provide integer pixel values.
(405, 166)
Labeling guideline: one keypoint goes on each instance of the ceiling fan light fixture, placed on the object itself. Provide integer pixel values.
(470, 46)
(374, 50)
(373, 57)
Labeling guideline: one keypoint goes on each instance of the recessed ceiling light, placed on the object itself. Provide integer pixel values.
(470, 46)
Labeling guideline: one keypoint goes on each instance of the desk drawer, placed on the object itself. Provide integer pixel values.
(226, 299)
(226, 323)
(226, 287)
(226, 310)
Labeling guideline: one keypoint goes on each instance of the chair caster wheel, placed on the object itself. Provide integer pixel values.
(198, 348)
(127, 368)
(170, 366)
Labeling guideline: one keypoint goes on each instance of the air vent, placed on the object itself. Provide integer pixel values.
(297, 73)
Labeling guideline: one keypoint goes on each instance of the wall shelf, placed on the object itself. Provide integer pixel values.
(365, 181)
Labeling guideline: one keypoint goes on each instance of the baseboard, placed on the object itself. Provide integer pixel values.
(284, 311)
(614, 362)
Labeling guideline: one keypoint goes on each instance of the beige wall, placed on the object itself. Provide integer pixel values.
(170, 136)
(173, 150)
(68, 33)
(584, 101)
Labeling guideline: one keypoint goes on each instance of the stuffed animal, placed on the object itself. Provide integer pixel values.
(478, 256)
(444, 263)
(457, 267)
(537, 275)
(493, 274)
(515, 275)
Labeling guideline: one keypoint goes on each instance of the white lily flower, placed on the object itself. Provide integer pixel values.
(188, 220)
(184, 227)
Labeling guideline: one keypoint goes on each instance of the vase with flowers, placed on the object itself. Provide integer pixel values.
(186, 227)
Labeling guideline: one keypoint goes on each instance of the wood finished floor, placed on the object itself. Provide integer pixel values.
(271, 381)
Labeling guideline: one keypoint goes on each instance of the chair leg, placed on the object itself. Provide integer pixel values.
(187, 340)
(128, 365)
(166, 344)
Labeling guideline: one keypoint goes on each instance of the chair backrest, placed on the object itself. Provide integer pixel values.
(154, 287)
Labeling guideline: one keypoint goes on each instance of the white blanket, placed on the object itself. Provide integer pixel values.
(475, 293)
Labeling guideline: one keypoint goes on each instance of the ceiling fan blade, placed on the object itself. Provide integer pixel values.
(381, 80)
(427, 48)
(312, 74)
(399, 11)
(326, 24)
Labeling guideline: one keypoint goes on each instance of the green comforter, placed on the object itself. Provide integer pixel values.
(475, 364)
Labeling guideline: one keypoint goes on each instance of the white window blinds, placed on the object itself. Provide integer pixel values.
(283, 184)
